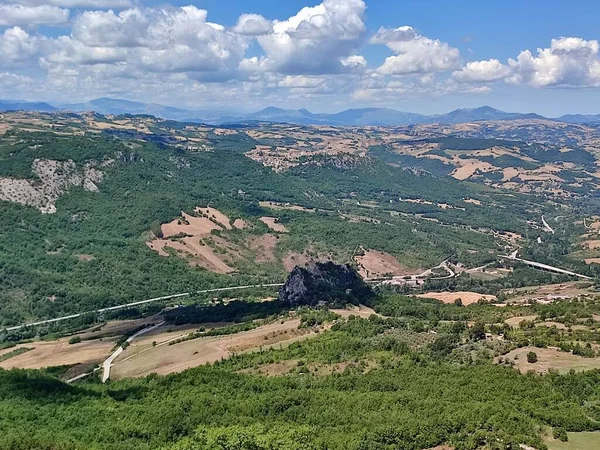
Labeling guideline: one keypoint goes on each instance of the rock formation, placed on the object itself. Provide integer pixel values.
(324, 282)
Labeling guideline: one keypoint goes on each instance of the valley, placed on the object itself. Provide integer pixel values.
(141, 255)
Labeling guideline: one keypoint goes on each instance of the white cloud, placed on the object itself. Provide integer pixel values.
(159, 40)
(119, 4)
(252, 25)
(354, 62)
(301, 81)
(32, 15)
(17, 47)
(478, 71)
(414, 53)
(315, 40)
(569, 61)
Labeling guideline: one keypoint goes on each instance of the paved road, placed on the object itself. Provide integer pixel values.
(106, 365)
(142, 302)
(513, 257)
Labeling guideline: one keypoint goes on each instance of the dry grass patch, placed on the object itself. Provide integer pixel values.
(215, 214)
(165, 359)
(549, 358)
(469, 169)
(240, 224)
(374, 264)
(466, 297)
(264, 247)
(273, 224)
(583, 440)
(59, 353)
(84, 257)
(516, 321)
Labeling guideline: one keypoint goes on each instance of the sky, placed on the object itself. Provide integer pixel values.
(424, 56)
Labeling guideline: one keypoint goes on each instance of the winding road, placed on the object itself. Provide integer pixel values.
(106, 365)
(141, 302)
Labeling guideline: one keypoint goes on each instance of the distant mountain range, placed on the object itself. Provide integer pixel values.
(349, 117)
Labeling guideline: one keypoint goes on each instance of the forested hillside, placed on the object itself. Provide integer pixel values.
(91, 252)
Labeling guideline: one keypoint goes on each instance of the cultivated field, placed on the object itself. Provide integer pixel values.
(59, 353)
(141, 358)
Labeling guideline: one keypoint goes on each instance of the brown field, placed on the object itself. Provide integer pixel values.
(198, 226)
(215, 214)
(198, 254)
(467, 298)
(58, 353)
(373, 264)
(550, 358)
(191, 247)
(272, 223)
(469, 169)
(509, 173)
(592, 260)
(472, 201)
(240, 224)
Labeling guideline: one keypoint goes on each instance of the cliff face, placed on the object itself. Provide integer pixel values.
(326, 282)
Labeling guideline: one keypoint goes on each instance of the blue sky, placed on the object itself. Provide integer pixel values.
(427, 56)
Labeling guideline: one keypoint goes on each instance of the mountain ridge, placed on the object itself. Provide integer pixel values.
(349, 117)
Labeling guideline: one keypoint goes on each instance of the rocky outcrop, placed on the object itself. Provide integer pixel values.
(324, 282)
(53, 179)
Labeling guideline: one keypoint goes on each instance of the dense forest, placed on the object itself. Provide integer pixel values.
(401, 387)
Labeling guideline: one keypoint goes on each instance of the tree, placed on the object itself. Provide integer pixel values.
(532, 357)
(477, 332)
(458, 302)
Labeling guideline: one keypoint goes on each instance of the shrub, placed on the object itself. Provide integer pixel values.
(532, 357)
(75, 340)
(560, 433)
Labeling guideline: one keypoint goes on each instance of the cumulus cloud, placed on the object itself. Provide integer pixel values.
(32, 15)
(414, 53)
(161, 40)
(18, 47)
(480, 71)
(569, 61)
(317, 39)
(252, 25)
